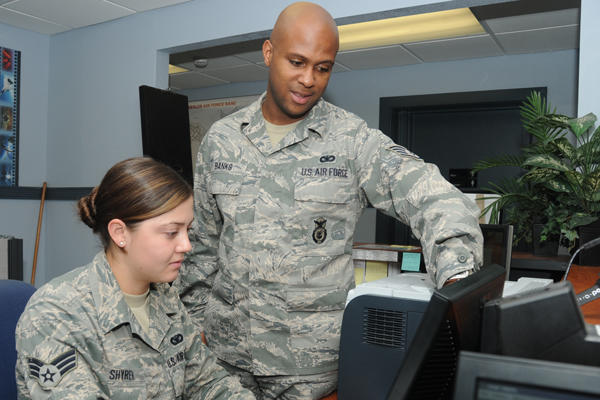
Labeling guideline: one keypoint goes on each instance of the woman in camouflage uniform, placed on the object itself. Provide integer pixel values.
(113, 328)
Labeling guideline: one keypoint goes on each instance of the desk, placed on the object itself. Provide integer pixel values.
(526, 264)
(581, 277)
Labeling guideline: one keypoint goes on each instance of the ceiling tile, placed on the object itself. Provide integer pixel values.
(255, 57)
(534, 21)
(143, 5)
(30, 23)
(216, 64)
(379, 57)
(191, 80)
(549, 39)
(73, 13)
(455, 49)
(339, 67)
(243, 73)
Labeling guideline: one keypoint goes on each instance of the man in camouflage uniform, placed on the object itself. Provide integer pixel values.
(271, 263)
(78, 339)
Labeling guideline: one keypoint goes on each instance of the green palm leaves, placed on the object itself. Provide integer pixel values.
(560, 184)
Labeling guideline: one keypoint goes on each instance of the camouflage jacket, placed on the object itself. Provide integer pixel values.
(271, 263)
(78, 339)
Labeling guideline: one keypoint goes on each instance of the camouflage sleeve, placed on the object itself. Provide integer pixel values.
(204, 378)
(400, 184)
(199, 268)
(50, 365)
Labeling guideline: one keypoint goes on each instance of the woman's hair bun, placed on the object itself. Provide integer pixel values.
(86, 207)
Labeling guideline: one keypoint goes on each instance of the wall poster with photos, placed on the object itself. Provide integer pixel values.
(9, 114)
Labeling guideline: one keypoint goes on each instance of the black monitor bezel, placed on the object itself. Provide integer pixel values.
(547, 375)
(165, 127)
(454, 311)
(507, 237)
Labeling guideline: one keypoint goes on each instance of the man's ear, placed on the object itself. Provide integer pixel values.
(267, 50)
(117, 230)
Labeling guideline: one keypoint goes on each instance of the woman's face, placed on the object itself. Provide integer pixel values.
(156, 247)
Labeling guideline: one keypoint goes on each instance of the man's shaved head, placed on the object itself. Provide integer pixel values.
(301, 13)
(300, 55)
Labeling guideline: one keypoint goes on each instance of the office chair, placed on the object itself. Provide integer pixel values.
(13, 298)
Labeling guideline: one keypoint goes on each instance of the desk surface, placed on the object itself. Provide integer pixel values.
(582, 278)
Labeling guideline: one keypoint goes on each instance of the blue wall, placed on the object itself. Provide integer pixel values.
(84, 110)
(359, 91)
(80, 110)
(19, 217)
(589, 59)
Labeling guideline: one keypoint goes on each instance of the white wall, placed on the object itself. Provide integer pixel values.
(19, 217)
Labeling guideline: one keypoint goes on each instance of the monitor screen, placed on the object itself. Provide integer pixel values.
(488, 389)
(492, 377)
(452, 322)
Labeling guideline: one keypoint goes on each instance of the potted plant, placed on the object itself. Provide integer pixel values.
(560, 184)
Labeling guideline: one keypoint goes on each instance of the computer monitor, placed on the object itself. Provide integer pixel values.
(166, 129)
(452, 322)
(489, 377)
(497, 245)
(544, 323)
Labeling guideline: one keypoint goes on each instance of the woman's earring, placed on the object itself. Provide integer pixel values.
(121, 244)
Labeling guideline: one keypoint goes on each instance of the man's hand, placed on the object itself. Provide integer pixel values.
(458, 277)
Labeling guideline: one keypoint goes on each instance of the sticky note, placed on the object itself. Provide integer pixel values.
(411, 262)
(376, 270)
(359, 275)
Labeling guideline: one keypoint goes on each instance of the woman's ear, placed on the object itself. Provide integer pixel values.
(118, 232)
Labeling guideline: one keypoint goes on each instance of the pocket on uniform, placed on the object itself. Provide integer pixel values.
(127, 392)
(315, 338)
(226, 188)
(323, 191)
(178, 379)
(325, 298)
(326, 212)
(225, 183)
(124, 370)
(125, 382)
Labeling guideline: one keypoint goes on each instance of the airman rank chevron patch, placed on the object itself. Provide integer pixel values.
(402, 150)
(50, 374)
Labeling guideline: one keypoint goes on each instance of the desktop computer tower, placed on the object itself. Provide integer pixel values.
(11, 258)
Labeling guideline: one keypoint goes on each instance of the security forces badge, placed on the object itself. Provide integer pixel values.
(50, 374)
(320, 233)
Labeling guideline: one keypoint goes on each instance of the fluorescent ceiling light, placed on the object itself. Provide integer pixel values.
(175, 69)
(411, 28)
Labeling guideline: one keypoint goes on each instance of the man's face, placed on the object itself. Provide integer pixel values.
(300, 64)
